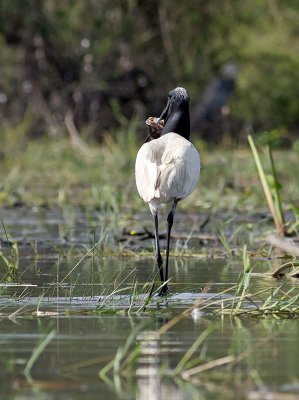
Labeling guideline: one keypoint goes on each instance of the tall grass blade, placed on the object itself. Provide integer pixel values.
(11, 264)
(81, 259)
(276, 189)
(277, 221)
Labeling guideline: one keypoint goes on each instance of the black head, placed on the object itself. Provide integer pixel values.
(176, 113)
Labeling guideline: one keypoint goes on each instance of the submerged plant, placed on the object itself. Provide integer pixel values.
(36, 353)
(124, 358)
(132, 359)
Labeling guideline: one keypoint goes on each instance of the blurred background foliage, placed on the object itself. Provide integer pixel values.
(91, 66)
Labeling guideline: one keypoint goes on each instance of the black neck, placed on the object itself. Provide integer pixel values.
(178, 122)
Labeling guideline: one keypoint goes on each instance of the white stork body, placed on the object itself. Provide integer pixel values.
(166, 169)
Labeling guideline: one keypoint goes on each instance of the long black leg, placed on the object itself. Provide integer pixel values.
(170, 217)
(159, 258)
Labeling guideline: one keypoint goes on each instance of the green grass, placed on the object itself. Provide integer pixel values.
(50, 172)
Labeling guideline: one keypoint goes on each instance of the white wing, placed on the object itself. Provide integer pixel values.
(167, 168)
(179, 169)
(146, 173)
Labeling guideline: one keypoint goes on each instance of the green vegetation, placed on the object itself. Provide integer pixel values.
(9, 264)
(56, 56)
(272, 187)
(195, 364)
(78, 80)
(49, 172)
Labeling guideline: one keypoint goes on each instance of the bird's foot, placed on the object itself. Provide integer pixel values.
(163, 291)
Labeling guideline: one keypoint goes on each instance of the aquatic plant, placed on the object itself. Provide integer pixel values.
(10, 262)
(272, 187)
(36, 353)
(269, 301)
(82, 258)
(194, 363)
(243, 283)
(124, 358)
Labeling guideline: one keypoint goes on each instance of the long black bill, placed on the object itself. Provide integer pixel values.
(165, 112)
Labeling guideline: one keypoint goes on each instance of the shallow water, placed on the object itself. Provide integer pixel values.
(52, 293)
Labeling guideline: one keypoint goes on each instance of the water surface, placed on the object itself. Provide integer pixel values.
(90, 303)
